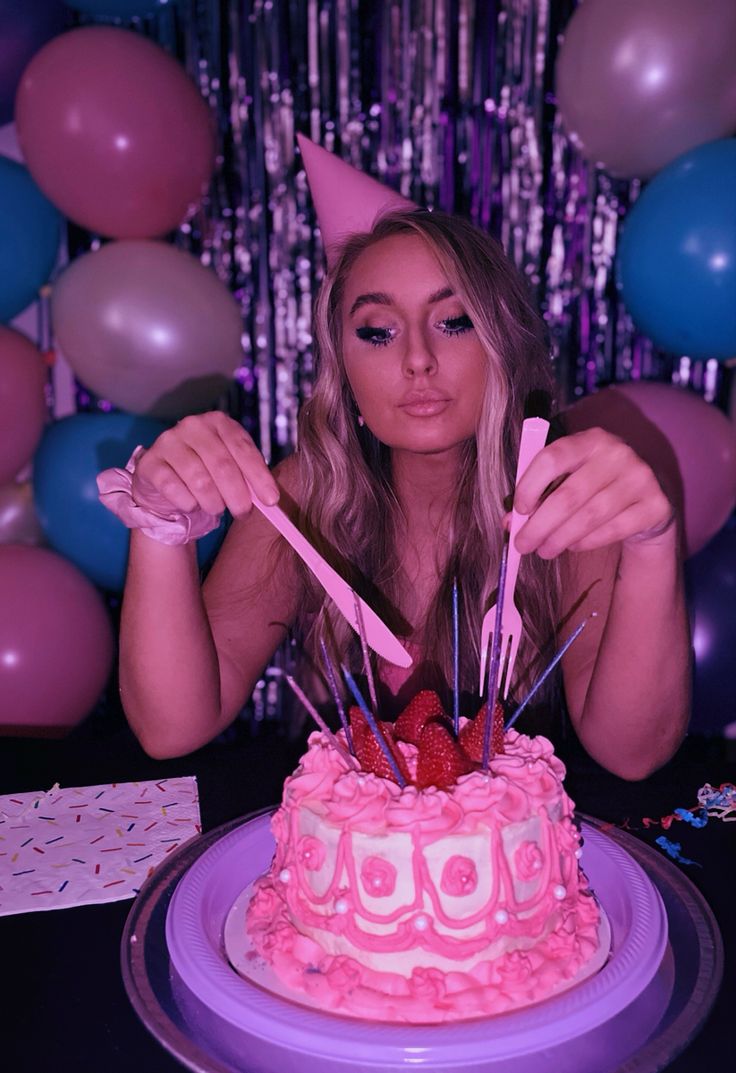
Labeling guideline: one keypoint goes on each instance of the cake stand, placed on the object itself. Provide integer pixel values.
(637, 1013)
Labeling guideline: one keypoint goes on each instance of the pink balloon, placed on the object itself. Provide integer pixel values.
(690, 445)
(114, 132)
(56, 643)
(22, 401)
(641, 81)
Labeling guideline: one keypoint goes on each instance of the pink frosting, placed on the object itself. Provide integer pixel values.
(457, 941)
(459, 876)
(378, 877)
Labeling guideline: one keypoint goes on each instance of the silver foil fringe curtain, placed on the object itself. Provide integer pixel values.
(449, 101)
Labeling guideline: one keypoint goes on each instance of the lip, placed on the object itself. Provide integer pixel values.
(424, 403)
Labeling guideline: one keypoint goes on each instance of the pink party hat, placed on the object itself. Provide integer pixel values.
(346, 201)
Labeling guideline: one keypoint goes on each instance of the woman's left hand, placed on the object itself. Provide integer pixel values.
(601, 493)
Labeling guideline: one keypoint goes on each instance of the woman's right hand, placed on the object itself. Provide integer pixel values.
(206, 461)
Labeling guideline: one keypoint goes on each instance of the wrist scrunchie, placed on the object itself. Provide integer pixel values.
(150, 511)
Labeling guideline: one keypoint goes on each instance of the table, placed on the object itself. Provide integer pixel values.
(67, 1008)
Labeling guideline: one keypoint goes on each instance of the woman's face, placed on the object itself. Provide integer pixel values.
(413, 361)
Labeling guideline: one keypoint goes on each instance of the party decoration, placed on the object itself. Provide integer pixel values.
(56, 643)
(114, 132)
(29, 238)
(22, 401)
(19, 523)
(24, 28)
(72, 452)
(148, 327)
(117, 9)
(690, 444)
(711, 584)
(677, 257)
(641, 81)
(347, 201)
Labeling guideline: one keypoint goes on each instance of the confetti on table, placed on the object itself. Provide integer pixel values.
(672, 849)
(83, 844)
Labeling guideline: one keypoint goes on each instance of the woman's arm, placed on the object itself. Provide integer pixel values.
(190, 656)
(627, 677)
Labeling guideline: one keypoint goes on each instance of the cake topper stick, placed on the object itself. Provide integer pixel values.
(332, 680)
(320, 722)
(375, 729)
(493, 670)
(455, 661)
(548, 670)
(366, 656)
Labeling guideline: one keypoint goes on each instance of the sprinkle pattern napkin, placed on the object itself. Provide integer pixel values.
(83, 844)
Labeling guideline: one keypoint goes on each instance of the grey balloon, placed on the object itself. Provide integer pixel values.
(148, 327)
(640, 82)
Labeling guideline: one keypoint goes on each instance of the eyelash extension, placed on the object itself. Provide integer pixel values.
(375, 336)
(455, 325)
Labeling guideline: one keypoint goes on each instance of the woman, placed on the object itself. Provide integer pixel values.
(428, 351)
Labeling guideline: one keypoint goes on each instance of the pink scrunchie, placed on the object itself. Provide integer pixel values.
(150, 512)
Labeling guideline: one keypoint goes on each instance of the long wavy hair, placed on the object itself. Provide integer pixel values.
(350, 506)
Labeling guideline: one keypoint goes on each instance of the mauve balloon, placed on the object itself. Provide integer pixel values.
(56, 643)
(19, 522)
(689, 443)
(148, 327)
(641, 81)
(115, 132)
(22, 401)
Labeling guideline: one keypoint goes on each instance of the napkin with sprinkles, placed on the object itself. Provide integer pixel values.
(83, 844)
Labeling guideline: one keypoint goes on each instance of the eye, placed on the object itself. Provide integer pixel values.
(455, 325)
(375, 336)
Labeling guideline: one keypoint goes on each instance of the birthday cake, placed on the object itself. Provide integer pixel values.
(411, 882)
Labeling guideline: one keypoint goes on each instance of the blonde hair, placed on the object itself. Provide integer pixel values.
(350, 506)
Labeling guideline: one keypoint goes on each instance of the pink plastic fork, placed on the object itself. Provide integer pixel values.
(533, 438)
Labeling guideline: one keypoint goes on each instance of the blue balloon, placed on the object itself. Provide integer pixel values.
(711, 583)
(29, 238)
(677, 256)
(72, 452)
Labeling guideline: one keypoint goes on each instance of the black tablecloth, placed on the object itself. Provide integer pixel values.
(66, 1008)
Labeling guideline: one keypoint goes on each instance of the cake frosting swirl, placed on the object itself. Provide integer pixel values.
(425, 905)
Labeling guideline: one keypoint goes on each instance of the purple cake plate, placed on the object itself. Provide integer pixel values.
(640, 1010)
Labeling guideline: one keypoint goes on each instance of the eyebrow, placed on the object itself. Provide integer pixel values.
(382, 299)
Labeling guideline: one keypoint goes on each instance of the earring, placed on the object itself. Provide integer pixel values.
(361, 420)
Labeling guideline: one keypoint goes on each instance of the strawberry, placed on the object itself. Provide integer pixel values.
(471, 735)
(423, 708)
(369, 753)
(440, 759)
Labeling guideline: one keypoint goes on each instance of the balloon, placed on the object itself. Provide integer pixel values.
(117, 9)
(690, 445)
(641, 81)
(22, 401)
(29, 238)
(18, 521)
(711, 582)
(56, 643)
(677, 257)
(148, 327)
(72, 452)
(115, 132)
(24, 28)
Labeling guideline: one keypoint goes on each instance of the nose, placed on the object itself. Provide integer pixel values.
(419, 358)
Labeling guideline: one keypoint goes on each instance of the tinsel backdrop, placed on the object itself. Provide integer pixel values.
(451, 102)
